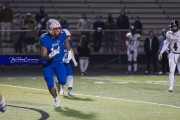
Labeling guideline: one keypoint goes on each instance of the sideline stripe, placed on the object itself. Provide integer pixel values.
(173, 106)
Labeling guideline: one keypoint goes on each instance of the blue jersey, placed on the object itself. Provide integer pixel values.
(53, 44)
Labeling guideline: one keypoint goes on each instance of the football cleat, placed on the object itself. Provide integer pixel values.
(57, 103)
(70, 93)
(3, 107)
(170, 89)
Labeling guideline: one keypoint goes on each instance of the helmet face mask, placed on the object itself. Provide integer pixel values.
(53, 27)
(174, 28)
(174, 24)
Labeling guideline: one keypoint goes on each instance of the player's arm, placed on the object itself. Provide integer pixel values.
(127, 42)
(44, 55)
(73, 58)
(165, 46)
(137, 43)
(66, 43)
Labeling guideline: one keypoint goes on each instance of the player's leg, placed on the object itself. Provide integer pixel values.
(178, 63)
(135, 61)
(2, 104)
(172, 66)
(60, 73)
(69, 79)
(129, 55)
(48, 76)
(60, 88)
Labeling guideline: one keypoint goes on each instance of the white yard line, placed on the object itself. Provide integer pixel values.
(135, 101)
(147, 82)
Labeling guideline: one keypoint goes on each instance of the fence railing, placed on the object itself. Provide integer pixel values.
(16, 41)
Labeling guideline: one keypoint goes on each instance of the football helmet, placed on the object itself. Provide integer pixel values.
(53, 27)
(174, 23)
(133, 29)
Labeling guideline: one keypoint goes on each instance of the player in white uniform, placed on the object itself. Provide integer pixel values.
(132, 43)
(173, 42)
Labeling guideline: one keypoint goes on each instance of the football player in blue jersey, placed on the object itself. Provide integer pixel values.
(68, 68)
(52, 52)
(2, 104)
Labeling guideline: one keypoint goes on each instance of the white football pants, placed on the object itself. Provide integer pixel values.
(174, 59)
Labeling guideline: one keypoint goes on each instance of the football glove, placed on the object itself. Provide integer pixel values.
(75, 63)
(69, 55)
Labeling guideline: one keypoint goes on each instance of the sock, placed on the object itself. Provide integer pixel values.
(57, 81)
(70, 81)
(56, 99)
(69, 88)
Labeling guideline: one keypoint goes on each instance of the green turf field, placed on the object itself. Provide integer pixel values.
(96, 98)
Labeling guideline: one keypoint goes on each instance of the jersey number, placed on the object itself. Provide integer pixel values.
(131, 42)
(175, 46)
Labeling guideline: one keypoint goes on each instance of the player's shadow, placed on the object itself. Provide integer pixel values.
(75, 113)
(77, 98)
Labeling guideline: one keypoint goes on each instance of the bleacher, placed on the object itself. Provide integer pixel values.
(154, 14)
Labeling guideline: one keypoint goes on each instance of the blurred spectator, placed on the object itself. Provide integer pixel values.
(98, 26)
(40, 14)
(132, 44)
(17, 24)
(6, 17)
(64, 23)
(110, 35)
(164, 61)
(151, 48)
(30, 40)
(42, 25)
(84, 54)
(137, 23)
(122, 24)
(84, 25)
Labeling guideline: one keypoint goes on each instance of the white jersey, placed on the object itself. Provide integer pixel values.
(133, 41)
(172, 42)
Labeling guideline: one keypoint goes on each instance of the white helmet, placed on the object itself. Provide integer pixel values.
(52, 27)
